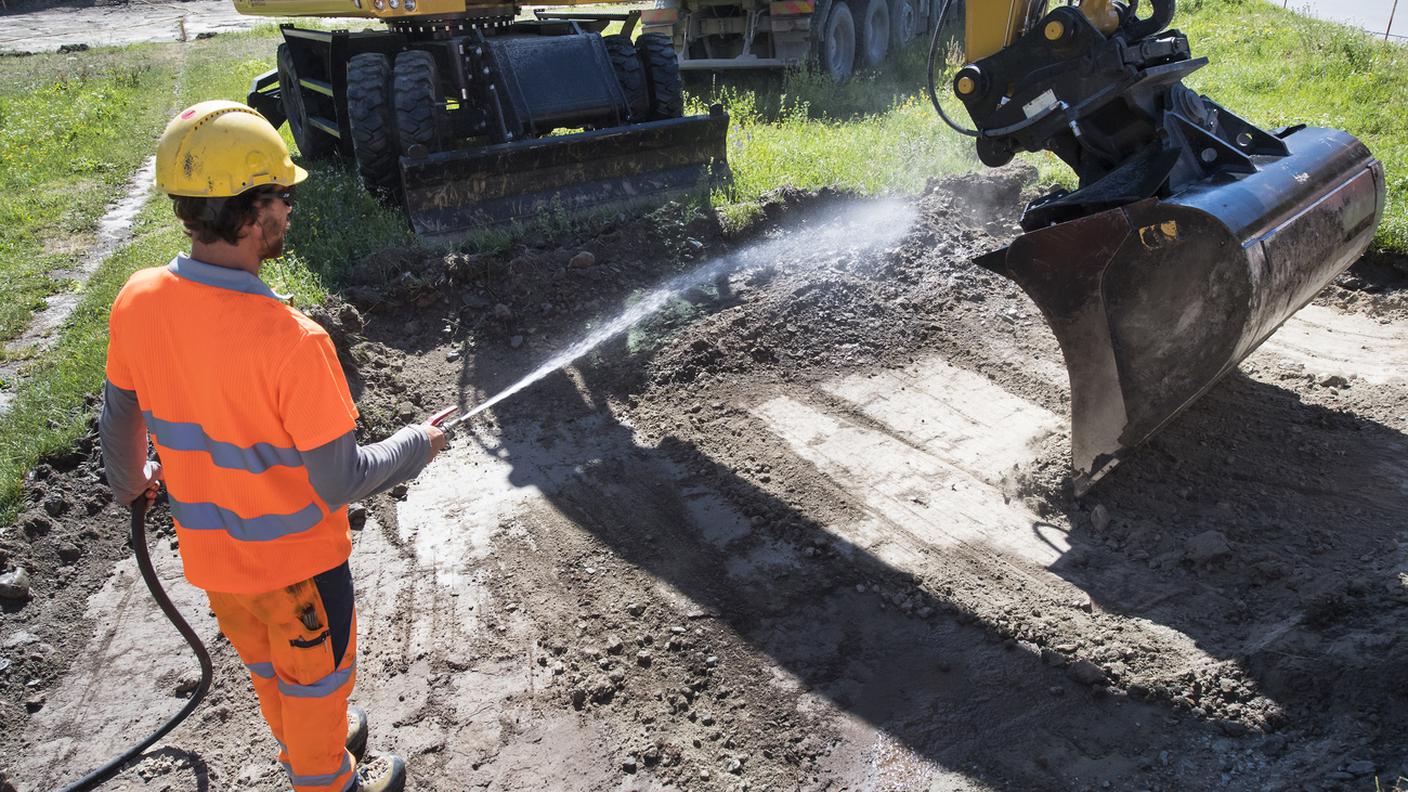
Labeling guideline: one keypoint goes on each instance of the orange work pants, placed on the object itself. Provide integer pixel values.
(299, 644)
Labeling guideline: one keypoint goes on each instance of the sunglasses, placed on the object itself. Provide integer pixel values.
(283, 195)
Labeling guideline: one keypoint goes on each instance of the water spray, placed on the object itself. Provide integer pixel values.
(877, 224)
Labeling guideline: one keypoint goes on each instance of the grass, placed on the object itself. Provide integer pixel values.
(74, 128)
(1274, 67)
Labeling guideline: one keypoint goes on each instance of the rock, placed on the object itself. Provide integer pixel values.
(14, 585)
(629, 764)
(35, 703)
(405, 411)
(516, 341)
(581, 260)
(35, 524)
(452, 355)
(1360, 767)
(614, 645)
(734, 766)
(65, 49)
(1334, 381)
(69, 552)
(1207, 546)
(1099, 518)
(356, 516)
(1087, 673)
(643, 659)
(578, 697)
(56, 505)
(399, 491)
(186, 686)
(502, 312)
(350, 317)
(635, 609)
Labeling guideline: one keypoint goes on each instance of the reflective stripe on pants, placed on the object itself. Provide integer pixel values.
(299, 645)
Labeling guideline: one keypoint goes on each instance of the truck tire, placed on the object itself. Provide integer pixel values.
(662, 76)
(630, 73)
(372, 122)
(904, 23)
(874, 29)
(837, 49)
(312, 143)
(421, 118)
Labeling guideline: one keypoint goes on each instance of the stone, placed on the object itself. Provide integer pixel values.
(502, 312)
(515, 342)
(629, 764)
(56, 504)
(405, 411)
(635, 609)
(1334, 381)
(614, 645)
(14, 585)
(452, 355)
(35, 703)
(35, 524)
(1207, 546)
(399, 491)
(582, 260)
(69, 552)
(734, 766)
(1087, 673)
(643, 659)
(356, 516)
(350, 317)
(1099, 518)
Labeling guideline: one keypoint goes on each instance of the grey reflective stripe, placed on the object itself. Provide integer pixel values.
(318, 780)
(183, 436)
(265, 528)
(238, 280)
(322, 687)
(261, 670)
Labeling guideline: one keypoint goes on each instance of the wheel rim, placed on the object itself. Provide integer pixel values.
(840, 43)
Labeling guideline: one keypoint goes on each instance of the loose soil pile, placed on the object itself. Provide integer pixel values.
(728, 551)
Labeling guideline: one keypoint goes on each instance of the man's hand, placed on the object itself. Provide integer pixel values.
(154, 478)
(438, 441)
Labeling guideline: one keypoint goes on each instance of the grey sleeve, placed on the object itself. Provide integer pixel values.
(123, 432)
(342, 471)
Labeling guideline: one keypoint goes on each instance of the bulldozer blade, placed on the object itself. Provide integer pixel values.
(1153, 302)
(450, 193)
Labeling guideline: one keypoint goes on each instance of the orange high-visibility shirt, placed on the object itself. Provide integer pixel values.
(234, 384)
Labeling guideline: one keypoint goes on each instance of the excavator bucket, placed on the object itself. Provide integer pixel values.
(1154, 301)
(452, 192)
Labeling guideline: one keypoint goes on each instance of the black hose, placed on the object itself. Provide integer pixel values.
(144, 563)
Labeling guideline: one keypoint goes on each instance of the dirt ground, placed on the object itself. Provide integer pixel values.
(809, 528)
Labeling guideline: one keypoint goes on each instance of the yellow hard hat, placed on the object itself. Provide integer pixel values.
(218, 149)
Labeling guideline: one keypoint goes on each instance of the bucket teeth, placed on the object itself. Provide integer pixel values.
(1153, 302)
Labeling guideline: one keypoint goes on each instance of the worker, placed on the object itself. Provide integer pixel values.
(252, 422)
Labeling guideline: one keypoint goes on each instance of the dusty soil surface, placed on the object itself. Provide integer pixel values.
(807, 528)
(72, 26)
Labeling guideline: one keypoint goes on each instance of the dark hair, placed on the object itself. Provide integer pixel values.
(209, 219)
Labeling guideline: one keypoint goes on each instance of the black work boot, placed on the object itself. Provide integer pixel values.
(356, 732)
(381, 773)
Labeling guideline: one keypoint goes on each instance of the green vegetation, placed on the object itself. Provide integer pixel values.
(72, 131)
(1274, 67)
(73, 128)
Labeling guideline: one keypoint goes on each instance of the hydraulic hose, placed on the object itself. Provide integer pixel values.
(144, 563)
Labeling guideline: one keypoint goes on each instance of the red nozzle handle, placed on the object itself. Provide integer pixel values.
(439, 418)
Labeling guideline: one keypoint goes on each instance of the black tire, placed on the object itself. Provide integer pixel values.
(421, 118)
(630, 74)
(372, 122)
(662, 76)
(904, 23)
(874, 33)
(312, 143)
(836, 52)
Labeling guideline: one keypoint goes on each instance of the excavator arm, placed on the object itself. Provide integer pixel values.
(1192, 234)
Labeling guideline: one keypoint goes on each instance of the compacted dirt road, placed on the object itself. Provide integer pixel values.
(808, 528)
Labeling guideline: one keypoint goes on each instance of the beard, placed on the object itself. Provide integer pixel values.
(273, 233)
